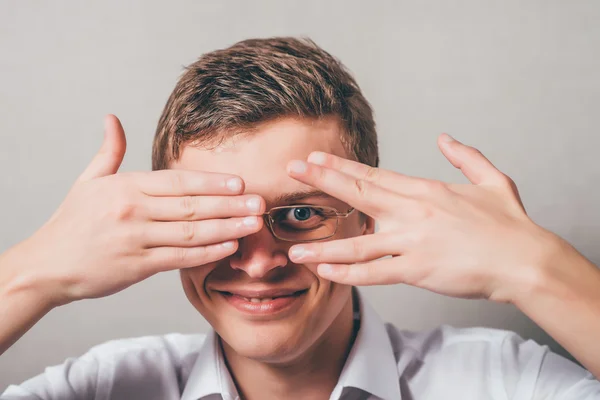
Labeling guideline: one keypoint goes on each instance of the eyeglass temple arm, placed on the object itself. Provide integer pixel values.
(346, 214)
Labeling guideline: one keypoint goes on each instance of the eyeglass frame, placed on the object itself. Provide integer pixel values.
(269, 220)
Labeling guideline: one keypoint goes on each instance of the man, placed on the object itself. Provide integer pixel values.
(265, 196)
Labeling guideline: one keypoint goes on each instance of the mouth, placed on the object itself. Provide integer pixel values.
(265, 302)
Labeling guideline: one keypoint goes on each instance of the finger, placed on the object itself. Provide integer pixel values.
(171, 182)
(110, 156)
(161, 259)
(389, 180)
(474, 165)
(386, 271)
(199, 233)
(193, 208)
(347, 251)
(363, 195)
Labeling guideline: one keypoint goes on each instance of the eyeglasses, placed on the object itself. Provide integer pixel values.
(303, 223)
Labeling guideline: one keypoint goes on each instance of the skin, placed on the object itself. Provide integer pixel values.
(469, 241)
(310, 344)
(485, 247)
(114, 230)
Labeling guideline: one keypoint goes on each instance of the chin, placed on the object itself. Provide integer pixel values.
(270, 342)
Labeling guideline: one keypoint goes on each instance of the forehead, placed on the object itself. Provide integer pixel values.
(261, 156)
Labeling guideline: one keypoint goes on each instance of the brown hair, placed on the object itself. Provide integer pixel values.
(229, 91)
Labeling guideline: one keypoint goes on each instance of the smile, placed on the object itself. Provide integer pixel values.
(267, 302)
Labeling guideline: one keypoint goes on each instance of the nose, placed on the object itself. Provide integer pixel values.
(258, 254)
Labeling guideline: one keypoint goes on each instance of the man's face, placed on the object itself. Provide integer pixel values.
(285, 327)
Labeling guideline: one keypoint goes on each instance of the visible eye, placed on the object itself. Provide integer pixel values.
(300, 218)
(300, 213)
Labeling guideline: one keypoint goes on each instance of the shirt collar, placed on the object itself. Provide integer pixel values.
(209, 374)
(371, 365)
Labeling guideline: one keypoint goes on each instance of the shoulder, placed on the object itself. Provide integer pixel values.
(159, 363)
(495, 349)
(142, 359)
(147, 355)
(493, 361)
(178, 346)
(428, 342)
(447, 350)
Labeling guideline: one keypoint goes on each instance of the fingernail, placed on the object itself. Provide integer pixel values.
(447, 138)
(250, 221)
(297, 252)
(325, 269)
(228, 245)
(253, 204)
(317, 158)
(297, 166)
(234, 184)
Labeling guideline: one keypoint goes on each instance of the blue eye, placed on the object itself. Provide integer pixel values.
(301, 218)
(301, 213)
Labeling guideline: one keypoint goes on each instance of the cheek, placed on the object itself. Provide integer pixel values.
(193, 282)
(355, 226)
(326, 290)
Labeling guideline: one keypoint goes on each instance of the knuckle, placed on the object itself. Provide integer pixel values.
(187, 207)
(361, 186)
(436, 186)
(507, 181)
(372, 174)
(188, 231)
(124, 209)
(474, 152)
(320, 174)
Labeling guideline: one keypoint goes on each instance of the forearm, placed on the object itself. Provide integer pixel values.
(21, 304)
(564, 300)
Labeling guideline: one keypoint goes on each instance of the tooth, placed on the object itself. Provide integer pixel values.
(267, 299)
(255, 300)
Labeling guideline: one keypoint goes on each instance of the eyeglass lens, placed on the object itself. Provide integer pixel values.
(304, 223)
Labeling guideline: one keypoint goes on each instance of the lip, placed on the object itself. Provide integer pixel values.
(263, 293)
(281, 300)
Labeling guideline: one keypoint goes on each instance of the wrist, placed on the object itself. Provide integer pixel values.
(529, 269)
(18, 277)
(555, 270)
(21, 303)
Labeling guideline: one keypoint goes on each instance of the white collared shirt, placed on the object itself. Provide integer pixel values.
(384, 363)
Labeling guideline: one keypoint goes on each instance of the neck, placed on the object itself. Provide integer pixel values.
(313, 375)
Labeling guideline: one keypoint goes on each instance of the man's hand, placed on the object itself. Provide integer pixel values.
(114, 230)
(473, 241)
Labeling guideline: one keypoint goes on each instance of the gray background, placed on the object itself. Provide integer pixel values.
(518, 79)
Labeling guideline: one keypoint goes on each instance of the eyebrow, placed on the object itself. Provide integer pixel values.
(294, 197)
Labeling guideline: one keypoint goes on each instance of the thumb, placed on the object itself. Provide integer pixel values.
(110, 156)
(473, 164)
